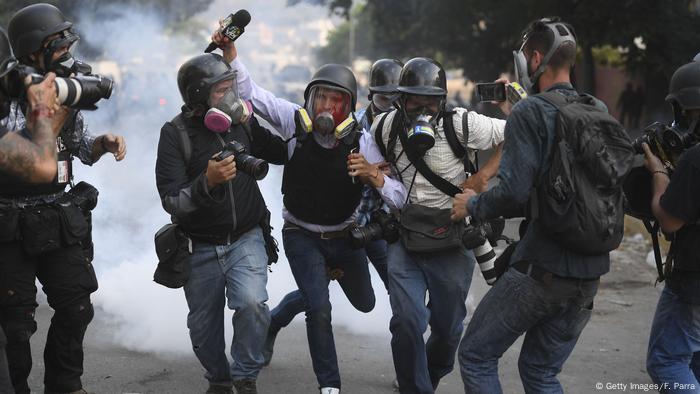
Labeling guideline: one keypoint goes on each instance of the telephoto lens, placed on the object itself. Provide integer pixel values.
(486, 257)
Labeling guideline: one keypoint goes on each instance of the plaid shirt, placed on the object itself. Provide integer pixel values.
(75, 135)
(371, 200)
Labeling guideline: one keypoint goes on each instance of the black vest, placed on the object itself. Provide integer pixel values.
(316, 186)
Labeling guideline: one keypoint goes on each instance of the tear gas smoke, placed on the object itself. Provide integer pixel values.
(144, 58)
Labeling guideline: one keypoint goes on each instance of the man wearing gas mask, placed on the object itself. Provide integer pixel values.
(47, 231)
(417, 139)
(320, 199)
(32, 159)
(218, 205)
(547, 293)
(672, 358)
(383, 76)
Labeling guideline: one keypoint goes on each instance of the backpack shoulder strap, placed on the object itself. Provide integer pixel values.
(451, 136)
(457, 148)
(183, 138)
(397, 125)
(554, 98)
(379, 135)
(440, 183)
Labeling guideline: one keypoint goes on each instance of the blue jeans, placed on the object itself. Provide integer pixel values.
(308, 257)
(552, 316)
(293, 303)
(673, 358)
(446, 276)
(237, 273)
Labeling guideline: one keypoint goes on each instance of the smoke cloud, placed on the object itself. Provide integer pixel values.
(143, 56)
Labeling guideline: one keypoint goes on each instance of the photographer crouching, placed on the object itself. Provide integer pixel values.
(673, 361)
(46, 231)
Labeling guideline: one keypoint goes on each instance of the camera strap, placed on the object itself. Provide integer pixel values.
(421, 166)
(653, 229)
(184, 138)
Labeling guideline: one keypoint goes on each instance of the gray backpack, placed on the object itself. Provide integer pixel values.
(579, 201)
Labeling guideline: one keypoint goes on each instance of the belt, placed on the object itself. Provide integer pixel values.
(543, 276)
(322, 235)
(30, 201)
(224, 239)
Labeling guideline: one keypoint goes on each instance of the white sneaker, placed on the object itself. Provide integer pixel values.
(330, 390)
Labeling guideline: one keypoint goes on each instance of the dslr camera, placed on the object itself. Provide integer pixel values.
(382, 225)
(81, 91)
(245, 162)
(666, 142)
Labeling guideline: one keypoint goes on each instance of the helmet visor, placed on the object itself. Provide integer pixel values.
(384, 102)
(65, 41)
(331, 99)
(415, 105)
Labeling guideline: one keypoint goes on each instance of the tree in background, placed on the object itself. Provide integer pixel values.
(651, 38)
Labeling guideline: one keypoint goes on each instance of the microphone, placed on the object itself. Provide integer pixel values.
(232, 27)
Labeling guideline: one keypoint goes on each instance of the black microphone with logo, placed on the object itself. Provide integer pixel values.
(232, 27)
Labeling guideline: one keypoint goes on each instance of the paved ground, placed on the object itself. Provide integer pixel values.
(611, 350)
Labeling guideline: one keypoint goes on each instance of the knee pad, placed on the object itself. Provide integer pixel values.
(18, 323)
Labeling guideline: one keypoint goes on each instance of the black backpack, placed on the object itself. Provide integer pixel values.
(579, 201)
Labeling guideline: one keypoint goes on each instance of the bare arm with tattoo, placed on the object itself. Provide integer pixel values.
(35, 160)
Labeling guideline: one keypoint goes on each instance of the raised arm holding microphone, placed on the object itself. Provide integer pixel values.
(320, 197)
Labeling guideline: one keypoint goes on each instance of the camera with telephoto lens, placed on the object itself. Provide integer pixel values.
(480, 237)
(252, 165)
(81, 91)
(382, 225)
(666, 142)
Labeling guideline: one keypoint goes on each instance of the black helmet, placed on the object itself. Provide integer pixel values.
(7, 61)
(423, 76)
(30, 26)
(196, 77)
(384, 76)
(335, 75)
(684, 88)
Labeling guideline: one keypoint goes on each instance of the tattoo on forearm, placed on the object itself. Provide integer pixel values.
(19, 156)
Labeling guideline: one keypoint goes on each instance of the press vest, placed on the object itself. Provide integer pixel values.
(316, 185)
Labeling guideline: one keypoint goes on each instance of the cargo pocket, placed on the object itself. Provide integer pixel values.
(40, 228)
(74, 226)
(9, 220)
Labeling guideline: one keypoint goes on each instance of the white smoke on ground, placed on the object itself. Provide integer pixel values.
(146, 316)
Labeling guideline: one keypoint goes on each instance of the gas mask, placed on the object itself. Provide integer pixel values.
(328, 107)
(230, 110)
(66, 64)
(421, 134)
(521, 70)
(422, 122)
(528, 78)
